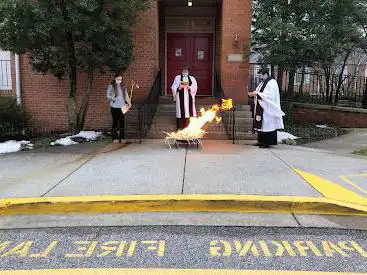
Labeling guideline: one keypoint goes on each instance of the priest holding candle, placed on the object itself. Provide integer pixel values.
(184, 90)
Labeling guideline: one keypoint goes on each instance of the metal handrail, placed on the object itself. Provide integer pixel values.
(228, 118)
(147, 110)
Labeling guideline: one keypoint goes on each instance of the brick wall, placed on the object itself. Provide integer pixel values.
(236, 19)
(162, 46)
(218, 37)
(340, 116)
(46, 96)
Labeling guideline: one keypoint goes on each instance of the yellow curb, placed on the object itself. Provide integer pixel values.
(332, 190)
(180, 203)
(152, 271)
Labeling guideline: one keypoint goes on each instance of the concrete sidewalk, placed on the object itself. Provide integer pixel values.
(295, 176)
(346, 144)
(152, 168)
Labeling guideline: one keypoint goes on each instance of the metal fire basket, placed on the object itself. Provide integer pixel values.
(188, 142)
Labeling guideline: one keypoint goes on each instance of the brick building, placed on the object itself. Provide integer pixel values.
(210, 36)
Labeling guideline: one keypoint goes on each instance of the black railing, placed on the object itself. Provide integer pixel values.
(147, 110)
(310, 85)
(228, 118)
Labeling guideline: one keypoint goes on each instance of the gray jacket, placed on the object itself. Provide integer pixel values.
(121, 100)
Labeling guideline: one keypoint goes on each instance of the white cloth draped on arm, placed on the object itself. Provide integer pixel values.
(175, 85)
(193, 87)
(270, 101)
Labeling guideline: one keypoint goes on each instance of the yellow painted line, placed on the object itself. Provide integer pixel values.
(332, 190)
(180, 203)
(358, 175)
(347, 180)
(113, 271)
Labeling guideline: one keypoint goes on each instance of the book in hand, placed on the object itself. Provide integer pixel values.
(125, 108)
(185, 81)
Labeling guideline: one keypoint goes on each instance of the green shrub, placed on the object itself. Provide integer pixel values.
(13, 117)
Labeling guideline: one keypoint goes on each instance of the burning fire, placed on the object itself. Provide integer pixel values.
(195, 128)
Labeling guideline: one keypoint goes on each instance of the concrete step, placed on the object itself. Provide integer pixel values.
(243, 108)
(246, 136)
(239, 108)
(243, 120)
(166, 107)
(243, 114)
(198, 99)
(164, 121)
(171, 121)
(166, 113)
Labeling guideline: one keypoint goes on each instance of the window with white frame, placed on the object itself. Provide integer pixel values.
(5, 70)
(306, 76)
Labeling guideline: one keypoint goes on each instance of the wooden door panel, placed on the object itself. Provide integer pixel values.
(194, 50)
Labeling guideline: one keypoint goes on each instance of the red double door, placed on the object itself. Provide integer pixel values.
(194, 50)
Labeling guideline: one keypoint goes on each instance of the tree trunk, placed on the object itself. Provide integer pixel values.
(292, 74)
(327, 72)
(272, 70)
(72, 112)
(364, 100)
(302, 79)
(327, 87)
(280, 77)
(340, 80)
(85, 103)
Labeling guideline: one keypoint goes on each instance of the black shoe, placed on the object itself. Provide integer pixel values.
(257, 144)
(264, 146)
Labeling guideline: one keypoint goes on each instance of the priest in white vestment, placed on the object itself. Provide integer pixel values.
(184, 90)
(268, 115)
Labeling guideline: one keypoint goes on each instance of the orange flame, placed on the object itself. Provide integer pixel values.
(194, 130)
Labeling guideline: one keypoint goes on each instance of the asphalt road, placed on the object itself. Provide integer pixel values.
(185, 247)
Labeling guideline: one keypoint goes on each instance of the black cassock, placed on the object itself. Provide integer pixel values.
(265, 138)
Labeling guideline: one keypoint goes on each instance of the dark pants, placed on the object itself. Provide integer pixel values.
(182, 123)
(252, 107)
(267, 138)
(118, 124)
